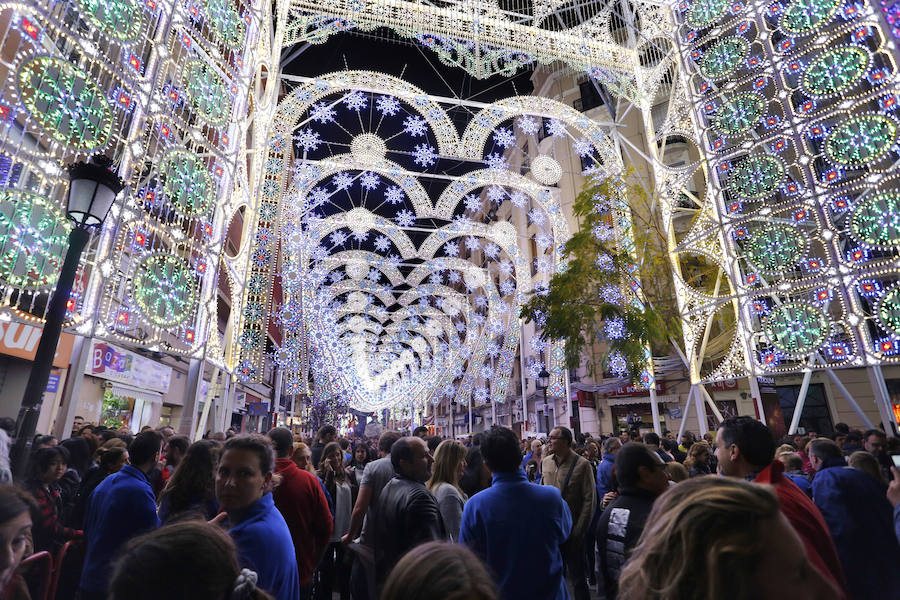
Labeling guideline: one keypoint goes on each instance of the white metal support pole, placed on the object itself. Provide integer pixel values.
(191, 391)
(801, 400)
(882, 398)
(470, 416)
(654, 410)
(684, 413)
(701, 412)
(493, 412)
(840, 386)
(276, 396)
(227, 403)
(709, 401)
(452, 423)
(757, 397)
(524, 383)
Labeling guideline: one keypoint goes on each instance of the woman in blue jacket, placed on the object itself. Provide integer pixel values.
(243, 490)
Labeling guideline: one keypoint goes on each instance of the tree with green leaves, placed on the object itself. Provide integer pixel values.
(596, 295)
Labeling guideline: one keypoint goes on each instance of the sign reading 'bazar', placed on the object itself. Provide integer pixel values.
(117, 364)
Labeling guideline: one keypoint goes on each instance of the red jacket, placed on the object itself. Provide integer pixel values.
(807, 522)
(301, 501)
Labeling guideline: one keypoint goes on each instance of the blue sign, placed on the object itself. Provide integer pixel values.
(258, 409)
(675, 412)
(53, 383)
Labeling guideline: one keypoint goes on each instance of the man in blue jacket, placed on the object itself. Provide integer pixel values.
(605, 480)
(860, 519)
(517, 528)
(121, 508)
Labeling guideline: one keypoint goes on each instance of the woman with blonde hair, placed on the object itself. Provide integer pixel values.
(302, 457)
(697, 462)
(718, 537)
(449, 465)
(439, 571)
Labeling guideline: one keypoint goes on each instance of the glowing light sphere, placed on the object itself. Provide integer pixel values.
(757, 177)
(775, 248)
(796, 328)
(739, 114)
(65, 102)
(724, 57)
(164, 290)
(546, 170)
(887, 309)
(803, 16)
(835, 70)
(186, 182)
(226, 23)
(705, 12)
(119, 19)
(861, 139)
(206, 92)
(875, 220)
(33, 238)
(368, 148)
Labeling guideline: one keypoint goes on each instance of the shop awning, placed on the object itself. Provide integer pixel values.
(625, 400)
(126, 391)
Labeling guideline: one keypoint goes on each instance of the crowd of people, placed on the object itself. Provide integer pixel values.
(735, 514)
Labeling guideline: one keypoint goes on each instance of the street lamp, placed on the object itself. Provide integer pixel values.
(543, 382)
(92, 189)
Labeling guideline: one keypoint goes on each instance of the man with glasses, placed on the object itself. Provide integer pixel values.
(573, 476)
(642, 477)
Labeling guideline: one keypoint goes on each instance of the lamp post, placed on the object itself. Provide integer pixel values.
(92, 190)
(543, 383)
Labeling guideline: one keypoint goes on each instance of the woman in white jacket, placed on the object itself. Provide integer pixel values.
(449, 464)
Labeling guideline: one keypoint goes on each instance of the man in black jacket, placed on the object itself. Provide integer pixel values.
(408, 514)
(642, 477)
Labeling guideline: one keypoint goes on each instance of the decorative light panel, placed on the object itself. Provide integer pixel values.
(160, 88)
(795, 103)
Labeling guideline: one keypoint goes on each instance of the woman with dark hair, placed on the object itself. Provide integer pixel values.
(244, 491)
(16, 509)
(359, 459)
(191, 490)
(340, 483)
(111, 461)
(184, 561)
(46, 467)
(438, 570)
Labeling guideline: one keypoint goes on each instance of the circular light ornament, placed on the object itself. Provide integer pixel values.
(739, 114)
(835, 70)
(860, 140)
(757, 177)
(796, 328)
(225, 21)
(206, 92)
(118, 19)
(65, 103)
(164, 290)
(368, 148)
(775, 248)
(887, 309)
(186, 182)
(724, 57)
(546, 170)
(802, 16)
(357, 270)
(705, 12)
(875, 220)
(33, 239)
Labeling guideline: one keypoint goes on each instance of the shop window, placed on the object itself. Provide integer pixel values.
(816, 415)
